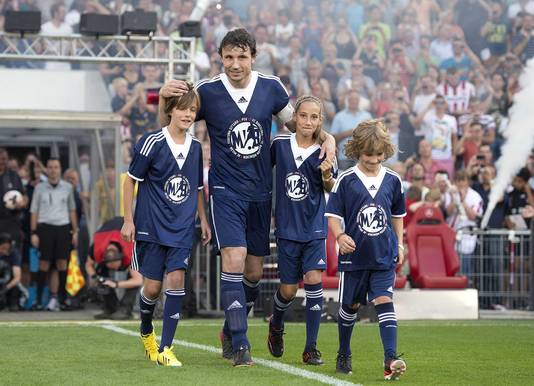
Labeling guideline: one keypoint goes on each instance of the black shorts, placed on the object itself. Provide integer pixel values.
(55, 242)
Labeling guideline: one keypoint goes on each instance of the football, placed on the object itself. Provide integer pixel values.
(12, 198)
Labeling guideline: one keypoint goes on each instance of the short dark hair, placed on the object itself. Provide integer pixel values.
(5, 238)
(53, 159)
(241, 38)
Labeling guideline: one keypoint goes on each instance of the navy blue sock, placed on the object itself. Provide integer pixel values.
(314, 310)
(171, 315)
(345, 324)
(146, 308)
(387, 322)
(280, 307)
(252, 290)
(234, 304)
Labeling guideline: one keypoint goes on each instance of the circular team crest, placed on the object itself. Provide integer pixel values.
(177, 189)
(297, 186)
(245, 137)
(372, 220)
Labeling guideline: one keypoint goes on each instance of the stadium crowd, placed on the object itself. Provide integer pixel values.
(441, 73)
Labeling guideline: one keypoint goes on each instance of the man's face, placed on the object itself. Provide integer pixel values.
(53, 169)
(353, 101)
(237, 63)
(5, 249)
(458, 48)
(72, 178)
(453, 78)
(425, 149)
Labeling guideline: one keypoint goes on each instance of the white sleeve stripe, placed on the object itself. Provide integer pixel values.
(149, 149)
(327, 214)
(204, 81)
(274, 78)
(149, 140)
(399, 215)
(134, 177)
(340, 177)
(200, 187)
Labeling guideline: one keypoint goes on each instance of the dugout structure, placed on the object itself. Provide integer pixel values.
(25, 125)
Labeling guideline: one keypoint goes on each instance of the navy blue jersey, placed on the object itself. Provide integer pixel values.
(300, 199)
(239, 124)
(169, 177)
(366, 204)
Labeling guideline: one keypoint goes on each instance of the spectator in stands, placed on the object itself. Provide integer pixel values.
(523, 40)
(441, 132)
(122, 102)
(118, 7)
(519, 202)
(10, 273)
(469, 145)
(375, 26)
(494, 33)
(343, 39)
(57, 27)
(110, 273)
(483, 187)
(311, 34)
(399, 61)
(313, 75)
(10, 218)
(456, 92)
(373, 62)
(266, 53)
(521, 6)
(54, 229)
(283, 31)
(463, 59)
(441, 46)
(355, 79)
(142, 116)
(344, 123)
(424, 158)
(476, 114)
(464, 208)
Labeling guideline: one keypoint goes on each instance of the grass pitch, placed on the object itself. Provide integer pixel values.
(436, 353)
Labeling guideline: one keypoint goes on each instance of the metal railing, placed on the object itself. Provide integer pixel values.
(500, 267)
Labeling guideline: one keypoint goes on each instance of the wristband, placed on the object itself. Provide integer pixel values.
(116, 284)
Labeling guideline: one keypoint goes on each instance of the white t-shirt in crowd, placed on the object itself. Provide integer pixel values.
(50, 29)
(439, 131)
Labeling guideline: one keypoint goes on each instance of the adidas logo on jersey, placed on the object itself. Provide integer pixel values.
(175, 316)
(299, 158)
(242, 100)
(390, 289)
(234, 305)
(372, 187)
(186, 261)
(180, 156)
(321, 262)
(316, 307)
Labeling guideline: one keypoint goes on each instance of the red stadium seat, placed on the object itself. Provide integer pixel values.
(433, 259)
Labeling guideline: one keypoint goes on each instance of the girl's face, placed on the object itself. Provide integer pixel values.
(370, 162)
(308, 119)
(183, 119)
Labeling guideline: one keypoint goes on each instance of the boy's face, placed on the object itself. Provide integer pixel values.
(371, 162)
(237, 64)
(183, 119)
(518, 183)
(308, 118)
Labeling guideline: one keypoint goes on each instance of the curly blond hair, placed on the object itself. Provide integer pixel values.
(369, 137)
(313, 99)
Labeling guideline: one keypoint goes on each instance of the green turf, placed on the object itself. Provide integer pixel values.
(437, 353)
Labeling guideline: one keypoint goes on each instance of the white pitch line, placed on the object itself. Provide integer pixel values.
(326, 379)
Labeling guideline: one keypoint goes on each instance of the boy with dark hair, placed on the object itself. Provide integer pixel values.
(168, 166)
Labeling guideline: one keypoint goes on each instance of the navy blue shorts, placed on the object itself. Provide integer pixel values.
(296, 258)
(240, 223)
(362, 286)
(154, 260)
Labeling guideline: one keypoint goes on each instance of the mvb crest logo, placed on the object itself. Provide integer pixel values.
(177, 189)
(245, 137)
(372, 220)
(297, 186)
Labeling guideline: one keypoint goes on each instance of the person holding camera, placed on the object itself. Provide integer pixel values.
(10, 273)
(114, 280)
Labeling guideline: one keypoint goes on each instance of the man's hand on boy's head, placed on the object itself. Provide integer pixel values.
(173, 87)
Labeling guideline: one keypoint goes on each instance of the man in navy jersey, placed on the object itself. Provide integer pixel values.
(167, 164)
(369, 199)
(238, 106)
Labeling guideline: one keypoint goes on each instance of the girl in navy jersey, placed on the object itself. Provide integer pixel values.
(167, 164)
(369, 199)
(301, 228)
